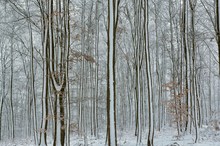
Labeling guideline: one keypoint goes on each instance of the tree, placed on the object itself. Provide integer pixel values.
(31, 47)
(183, 35)
(113, 14)
(55, 70)
(11, 82)
(193, 90)
(217, 30)
(3, 95)
(148, 75)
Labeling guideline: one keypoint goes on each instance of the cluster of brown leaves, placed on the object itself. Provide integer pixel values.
(76, 56)
(176, 106)
(169, 86)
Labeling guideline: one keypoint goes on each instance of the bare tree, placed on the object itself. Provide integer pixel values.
(193, 90)
(113, 14)
(148, 75)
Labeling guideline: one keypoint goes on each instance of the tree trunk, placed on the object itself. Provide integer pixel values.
(218, 29)
(194, 86)
(11, 86)
(113, 6)
(150, 141)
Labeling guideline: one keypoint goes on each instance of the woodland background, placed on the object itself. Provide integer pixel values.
(87, 67)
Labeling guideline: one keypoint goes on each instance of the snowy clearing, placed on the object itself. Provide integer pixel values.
(166, 137)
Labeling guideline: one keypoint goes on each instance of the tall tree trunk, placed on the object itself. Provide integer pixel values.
(96, 91)
(113, 6)
(150, 141)
(185, 60)
(3, 95)
(218, 28)
(68, 112)
(45, 94)
(32, 74)
(11, 85)
(193, 83)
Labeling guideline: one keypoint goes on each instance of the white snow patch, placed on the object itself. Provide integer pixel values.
(166, 137)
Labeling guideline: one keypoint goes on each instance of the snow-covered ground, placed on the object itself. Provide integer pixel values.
(166, 137)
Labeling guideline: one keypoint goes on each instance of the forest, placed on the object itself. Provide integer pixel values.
(109, 72)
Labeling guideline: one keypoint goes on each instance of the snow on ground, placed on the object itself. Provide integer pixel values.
(166, 137)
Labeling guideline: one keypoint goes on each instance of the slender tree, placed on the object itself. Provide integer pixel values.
(11, 83)
(35, 129)
(217, 6)
(150, 141)
(193, 67)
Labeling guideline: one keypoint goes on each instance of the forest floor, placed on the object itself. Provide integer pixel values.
(165, 137)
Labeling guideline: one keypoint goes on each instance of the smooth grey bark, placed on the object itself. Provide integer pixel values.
(193, 68)
(11, 85)
(217, 5)
(3, 86)
(113, 15)
(150, 141)
(32, 82)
